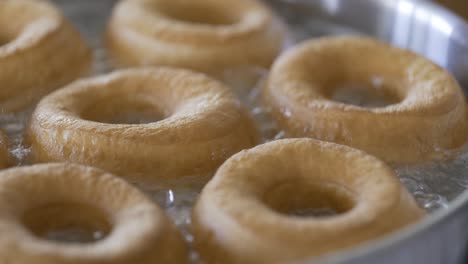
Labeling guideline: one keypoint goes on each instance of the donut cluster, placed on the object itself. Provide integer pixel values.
(165, 118)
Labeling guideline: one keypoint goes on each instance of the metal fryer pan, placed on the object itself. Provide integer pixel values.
(417, 25)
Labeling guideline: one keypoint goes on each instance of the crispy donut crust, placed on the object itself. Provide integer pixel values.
(429, 117)
(233, 220)
(203, 124)
(174, 33)
(141, 232)
(39, 52)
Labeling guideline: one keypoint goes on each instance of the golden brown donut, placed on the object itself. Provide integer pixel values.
(457, 6)
(6, 159)
(195, 123)
(39, 199)
(427, 116)
(39, 52)
(242, 213)
(205, 35)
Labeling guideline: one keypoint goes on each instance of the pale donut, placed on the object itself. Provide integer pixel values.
(204, 35)
(37, 198)
(202, 125)
(430, 114)
(6, 159)
(237, 218)
(39, 51)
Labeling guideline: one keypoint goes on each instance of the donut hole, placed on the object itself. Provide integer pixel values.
(310, 200)
(364, 95)
(199, 13)
(67, 223)
(132, 111)
(355, 77)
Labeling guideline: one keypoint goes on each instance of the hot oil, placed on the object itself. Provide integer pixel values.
(434, 184)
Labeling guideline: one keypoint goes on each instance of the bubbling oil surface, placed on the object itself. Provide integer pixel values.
(433, 184)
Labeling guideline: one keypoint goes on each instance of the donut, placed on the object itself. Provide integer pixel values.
(40, 199)
(191, 124)
(455, 6)
(243, 214)
(39, 52)
(422, 114)
(5, 158)
(203, 35)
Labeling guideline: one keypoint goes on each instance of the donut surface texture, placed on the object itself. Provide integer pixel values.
(428, 114)
(204, 35)
(39, 52)
(6, 159)
(38, 199)
(195, 124)
(244, 213)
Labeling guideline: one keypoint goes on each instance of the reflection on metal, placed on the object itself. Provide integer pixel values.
(420, 29)
(332, 6)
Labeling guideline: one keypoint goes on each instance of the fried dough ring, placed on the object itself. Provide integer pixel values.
(200, 125)
(39, 52)
(204, 35)
(429, 116)
(241, 215)
(37, 198)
